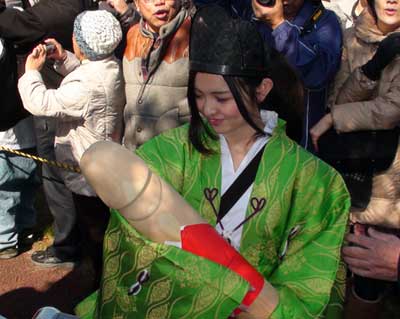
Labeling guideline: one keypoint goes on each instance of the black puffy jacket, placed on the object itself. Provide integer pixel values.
(47, 19)
(20, 31)
(11, 110)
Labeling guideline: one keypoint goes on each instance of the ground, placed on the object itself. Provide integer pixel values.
(26, 287)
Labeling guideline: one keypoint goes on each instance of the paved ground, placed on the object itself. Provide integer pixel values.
(25, 287)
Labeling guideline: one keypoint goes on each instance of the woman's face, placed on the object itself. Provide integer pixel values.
(215, 102)
(388, 13)
(157, 12)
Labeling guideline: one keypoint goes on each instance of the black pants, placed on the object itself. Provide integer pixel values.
(92, 220)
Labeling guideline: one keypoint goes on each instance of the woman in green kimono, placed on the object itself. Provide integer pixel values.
(288, 221)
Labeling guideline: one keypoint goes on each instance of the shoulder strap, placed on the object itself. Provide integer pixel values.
(313, 19)
(240, 185)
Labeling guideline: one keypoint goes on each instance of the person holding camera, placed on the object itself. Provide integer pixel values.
(88, 107)
(310, 38)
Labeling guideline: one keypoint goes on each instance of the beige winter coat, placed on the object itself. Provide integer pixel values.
(88, 107)
(156, 95)
(362, 104)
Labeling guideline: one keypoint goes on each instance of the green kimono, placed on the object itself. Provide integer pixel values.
(294, 242)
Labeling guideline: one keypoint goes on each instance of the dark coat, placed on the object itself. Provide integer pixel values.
(20, 31)
(11, 110)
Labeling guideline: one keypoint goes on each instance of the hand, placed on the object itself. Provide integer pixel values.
(375, 257)
(36, 59)
(58, 53)
(387, 50)
(320, 128)
(119, 5)
(263, 306)
(270, 15)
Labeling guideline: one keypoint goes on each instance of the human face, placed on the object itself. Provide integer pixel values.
(291, 8)
(216, 103)
(157, 12)
(388, 13)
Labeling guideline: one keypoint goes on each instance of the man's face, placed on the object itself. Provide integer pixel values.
(291, 8)
(158, 12)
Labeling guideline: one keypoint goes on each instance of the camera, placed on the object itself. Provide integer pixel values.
(50, 48)
(266, 3)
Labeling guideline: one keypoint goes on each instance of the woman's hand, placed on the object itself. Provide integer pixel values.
(320, 128)
(119, 5)
(263, 306)
(374, 256)
(36, 59)
(58, 53)
(270, 15)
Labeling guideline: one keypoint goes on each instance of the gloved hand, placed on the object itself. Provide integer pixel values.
(386, 52)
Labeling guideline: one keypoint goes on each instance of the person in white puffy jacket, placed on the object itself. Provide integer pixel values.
(88, 107)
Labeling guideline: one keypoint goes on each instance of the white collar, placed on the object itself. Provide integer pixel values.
(270, 120)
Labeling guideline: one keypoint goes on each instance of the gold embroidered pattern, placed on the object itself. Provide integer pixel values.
(252, 254)
(317, 285)
(230, 282)
(109, 289)
(126, 303)
(112, 241)
(160, 291)
(160, 312)
(194, 277)
(205, 298)
(146, 256)
(112, 265)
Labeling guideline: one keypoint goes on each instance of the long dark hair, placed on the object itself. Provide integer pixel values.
(371, 4)
(286, 98)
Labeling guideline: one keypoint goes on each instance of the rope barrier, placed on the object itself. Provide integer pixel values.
(64, 166)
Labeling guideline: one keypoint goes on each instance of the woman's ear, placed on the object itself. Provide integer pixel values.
(263, 89)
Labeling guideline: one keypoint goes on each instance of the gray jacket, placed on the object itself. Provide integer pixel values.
(156, 75)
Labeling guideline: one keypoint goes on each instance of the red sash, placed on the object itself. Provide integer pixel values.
(203, 240)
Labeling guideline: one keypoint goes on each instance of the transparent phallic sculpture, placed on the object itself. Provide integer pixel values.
(124, 182)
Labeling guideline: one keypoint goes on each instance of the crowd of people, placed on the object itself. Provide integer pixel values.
(185, 114)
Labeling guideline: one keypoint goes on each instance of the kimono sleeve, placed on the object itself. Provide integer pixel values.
(309, 257)
(165, 155)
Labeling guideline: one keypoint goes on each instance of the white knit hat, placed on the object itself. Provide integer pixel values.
(97, 33)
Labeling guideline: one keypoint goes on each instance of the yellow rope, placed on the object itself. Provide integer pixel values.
(64, 166)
